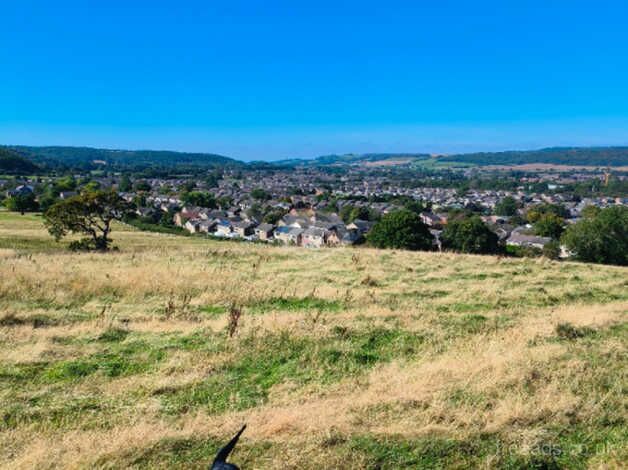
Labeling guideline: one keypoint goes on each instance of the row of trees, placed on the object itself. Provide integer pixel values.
(403, 229)
(600, 237)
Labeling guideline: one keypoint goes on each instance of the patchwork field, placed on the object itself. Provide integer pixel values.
(154, 355)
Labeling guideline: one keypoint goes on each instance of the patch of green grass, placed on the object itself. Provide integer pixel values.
(37, 320)
(116, 360)
(31, 244)
(70, 370)
(471, 324)
(424, 453)
(189, 453)
(475, 276)
(560, 449)
(294, 304)
(204, 340)
(21, 373)
(48, 412)
(465, 307)
(113, 335)
(262, 362)
(421, 295)
(213, 310)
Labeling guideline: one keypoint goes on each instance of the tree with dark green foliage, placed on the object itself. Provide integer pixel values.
(13, 163)
(224, 202)
(47, 198)
(590, 212)
(507, 207)
(260, 194)
(349, 213)
(469, 235)
(91, 186)
(600, 239)
(22, 203)
(200, 199)
(416, 206)
(125, 184)
(255, 211)
(274, 215)
(89, 213)
(142, 185)
(549, 225)
(401, 229)
(535, 212)
(67, 183)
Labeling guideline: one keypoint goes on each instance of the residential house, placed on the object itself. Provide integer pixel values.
(192, 225)
(223, 227)
(243, 228)
(264, 231)
(430, 219)
(520, 239)
(289, 235)
(67, 194)
(314, 237)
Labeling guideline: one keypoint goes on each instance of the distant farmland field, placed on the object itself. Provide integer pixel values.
(341, 358)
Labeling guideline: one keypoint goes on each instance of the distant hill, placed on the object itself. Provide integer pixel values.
(12, 162)
(581, 156)
(86, 157)
(353, 159)
(27, 159)
(592, 156)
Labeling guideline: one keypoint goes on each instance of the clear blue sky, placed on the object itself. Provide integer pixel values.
(269, 79)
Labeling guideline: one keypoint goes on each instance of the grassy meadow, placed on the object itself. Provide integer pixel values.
(152, 356)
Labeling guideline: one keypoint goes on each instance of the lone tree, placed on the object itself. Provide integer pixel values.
(401, 229)
(470, 235)
(22, 203)
(90, 213)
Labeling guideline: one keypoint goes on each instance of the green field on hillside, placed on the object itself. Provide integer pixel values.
(153, 355)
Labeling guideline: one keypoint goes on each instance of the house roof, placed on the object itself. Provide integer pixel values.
(517, 237)
(314, 232)
(265, 227)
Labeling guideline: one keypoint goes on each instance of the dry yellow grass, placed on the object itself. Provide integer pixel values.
(382, 358)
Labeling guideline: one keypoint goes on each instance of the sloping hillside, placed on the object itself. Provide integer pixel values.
(126, 159)
(11, 162)
(152, 356)
(586, 156)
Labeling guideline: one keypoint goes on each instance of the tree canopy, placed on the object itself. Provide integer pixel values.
(14, 163)
(22, 203)
(602, 238)
(89, 213)
(506, 207)
(200, 199)
(549, 225)
(535, 213)
(469, 235)
(401, 229)
(260, 194)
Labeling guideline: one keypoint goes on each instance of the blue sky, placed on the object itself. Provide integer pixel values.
(270, 79)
